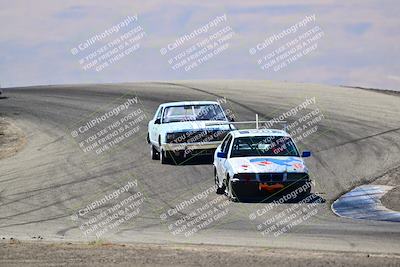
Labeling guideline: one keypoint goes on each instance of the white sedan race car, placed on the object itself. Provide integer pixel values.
(253, 163)
(181, 129)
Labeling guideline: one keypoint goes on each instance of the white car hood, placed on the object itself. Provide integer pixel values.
(268, 164)
(193, 125)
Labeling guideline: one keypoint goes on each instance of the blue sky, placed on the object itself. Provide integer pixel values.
(360, 46)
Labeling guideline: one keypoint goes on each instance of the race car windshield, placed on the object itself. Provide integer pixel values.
(194, 113)
(263, 146)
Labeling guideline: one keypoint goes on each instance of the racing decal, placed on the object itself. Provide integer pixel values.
(264, 163)
(289, 162)
(298, 166)
(245, 167)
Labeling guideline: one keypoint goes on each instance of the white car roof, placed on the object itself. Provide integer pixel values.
(184, 103)
(258, 132)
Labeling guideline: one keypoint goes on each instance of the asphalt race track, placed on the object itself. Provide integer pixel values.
(45, 184)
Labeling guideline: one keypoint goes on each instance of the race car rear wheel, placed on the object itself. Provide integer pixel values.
(154, 153)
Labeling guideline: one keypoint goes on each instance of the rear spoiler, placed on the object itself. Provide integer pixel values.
(256, 122)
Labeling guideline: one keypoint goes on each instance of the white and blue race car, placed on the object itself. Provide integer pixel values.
(256, 162)
(180, 129)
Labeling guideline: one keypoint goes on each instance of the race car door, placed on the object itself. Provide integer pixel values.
(155, 126)
(221, 162)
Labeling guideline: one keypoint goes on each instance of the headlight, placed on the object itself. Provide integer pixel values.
(245, 176)
(170, 137)
(177, 138)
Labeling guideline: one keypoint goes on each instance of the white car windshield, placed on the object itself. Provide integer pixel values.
(205, 112)
(263, 146)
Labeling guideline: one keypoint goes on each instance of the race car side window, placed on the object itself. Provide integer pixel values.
(228, 144)
(159, 113)
(224, 142)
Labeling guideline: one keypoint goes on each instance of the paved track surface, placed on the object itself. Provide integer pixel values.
(51, 178)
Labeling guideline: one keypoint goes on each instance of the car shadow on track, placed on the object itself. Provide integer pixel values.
(195, 160)
(278, 198)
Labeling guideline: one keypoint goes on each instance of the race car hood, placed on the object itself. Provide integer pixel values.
(268, 164)
(183, 126)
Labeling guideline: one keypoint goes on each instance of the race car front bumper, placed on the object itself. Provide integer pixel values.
(256, 188)
(190, 147)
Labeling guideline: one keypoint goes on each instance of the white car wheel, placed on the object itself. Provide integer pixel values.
(154, 153)
(163, 156)
(229, 192)
(220, 190)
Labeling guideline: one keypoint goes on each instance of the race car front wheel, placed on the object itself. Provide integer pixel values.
(229, 191)
(154, 153)
(163, 156)
(220, 190)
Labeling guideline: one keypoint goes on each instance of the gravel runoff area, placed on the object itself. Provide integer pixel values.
(11, 139)
(14, 253)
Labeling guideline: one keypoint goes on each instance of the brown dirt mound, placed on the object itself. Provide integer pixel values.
(12, 139)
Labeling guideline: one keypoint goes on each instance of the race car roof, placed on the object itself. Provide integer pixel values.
(258, 132)
(184, 103)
